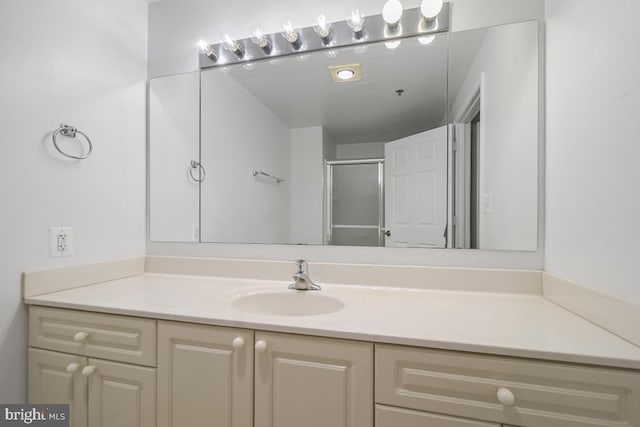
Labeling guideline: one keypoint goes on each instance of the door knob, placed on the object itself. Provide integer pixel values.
(506, 397)
(261, 346)
(238, 343)
(88, 370)
(72, 367)
(80, 336)
(387, 233)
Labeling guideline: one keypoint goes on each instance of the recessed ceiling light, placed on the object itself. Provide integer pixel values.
(345, 73)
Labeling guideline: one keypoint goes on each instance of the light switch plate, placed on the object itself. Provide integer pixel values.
(487, 203)
(60, 241)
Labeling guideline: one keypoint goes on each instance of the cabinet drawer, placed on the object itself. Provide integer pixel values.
(105, 336)
(546, 394)
(387, 416)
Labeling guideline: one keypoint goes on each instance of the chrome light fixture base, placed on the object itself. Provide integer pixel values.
(375, 29)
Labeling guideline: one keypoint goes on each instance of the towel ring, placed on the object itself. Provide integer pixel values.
(202, 173)
(70, 132)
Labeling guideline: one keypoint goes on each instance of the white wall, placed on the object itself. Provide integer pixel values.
(236, 206)
(365, 150)
(593, 144)
(174, 26)
(471, 14)
(507, 62)
(174, 128)
(307, 177)
(81, 63)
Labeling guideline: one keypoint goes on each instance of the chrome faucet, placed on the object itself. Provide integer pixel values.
(302, 280)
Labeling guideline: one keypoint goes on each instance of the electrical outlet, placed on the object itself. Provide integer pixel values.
(195, 232)
(60, 241)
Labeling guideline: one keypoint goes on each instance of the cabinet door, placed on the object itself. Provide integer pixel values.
(56, 378)
(312, 382)
(121, 395)
(389, 416)
(205, 376)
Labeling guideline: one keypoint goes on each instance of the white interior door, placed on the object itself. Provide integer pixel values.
(416, 190)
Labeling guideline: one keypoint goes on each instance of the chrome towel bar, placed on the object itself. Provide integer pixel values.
(268, 176)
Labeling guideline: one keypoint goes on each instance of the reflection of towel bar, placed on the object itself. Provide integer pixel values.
(267, 175)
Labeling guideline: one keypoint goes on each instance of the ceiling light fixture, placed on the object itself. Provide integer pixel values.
(291, 34)
(233, 46)
(391, 13)
(207, 50)
(322, 28)
(345, 73)
(262, 41)
(355, 21)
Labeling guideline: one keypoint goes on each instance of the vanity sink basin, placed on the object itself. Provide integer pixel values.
(287, 303)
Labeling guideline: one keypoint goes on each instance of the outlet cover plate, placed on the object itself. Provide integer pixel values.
(60, 241)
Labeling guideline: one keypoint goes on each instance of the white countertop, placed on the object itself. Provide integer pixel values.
(485, 322)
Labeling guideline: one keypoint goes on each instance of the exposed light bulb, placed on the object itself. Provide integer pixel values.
(355, 21)
(262, 41)
(322, 27)
(392, 12)
(393, 44)
(233, 46)
(206, 49)
(430, 8)
(426, 40)
(291, 34)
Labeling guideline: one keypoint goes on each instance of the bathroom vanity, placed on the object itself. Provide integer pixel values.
(173, 350)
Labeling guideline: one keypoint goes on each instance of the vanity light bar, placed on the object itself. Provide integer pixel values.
(340, 34)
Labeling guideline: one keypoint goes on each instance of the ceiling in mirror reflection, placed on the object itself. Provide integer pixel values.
(402, 91)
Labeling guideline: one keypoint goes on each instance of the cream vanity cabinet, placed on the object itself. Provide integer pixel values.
(415, 384)
(267, 380)
(105, 367)
(102, 365)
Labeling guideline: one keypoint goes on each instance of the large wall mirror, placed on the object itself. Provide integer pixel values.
(434, 143)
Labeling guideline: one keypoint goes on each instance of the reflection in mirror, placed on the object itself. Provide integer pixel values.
(494, 108)
(174, 128)
(434, 143)
(291, 116)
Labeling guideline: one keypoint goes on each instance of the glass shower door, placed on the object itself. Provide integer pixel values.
(355, 204)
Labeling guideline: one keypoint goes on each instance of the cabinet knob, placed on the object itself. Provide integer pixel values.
(238, 343)
(80, 336)
(72, 367)
(506, 397)
(88, 370)
(261, 346)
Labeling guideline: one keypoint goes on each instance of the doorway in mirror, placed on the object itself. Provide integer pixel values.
(355, 202)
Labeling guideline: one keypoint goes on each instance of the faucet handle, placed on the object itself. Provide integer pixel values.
(301, 265)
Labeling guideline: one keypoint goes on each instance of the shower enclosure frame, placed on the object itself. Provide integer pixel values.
(328, 205)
